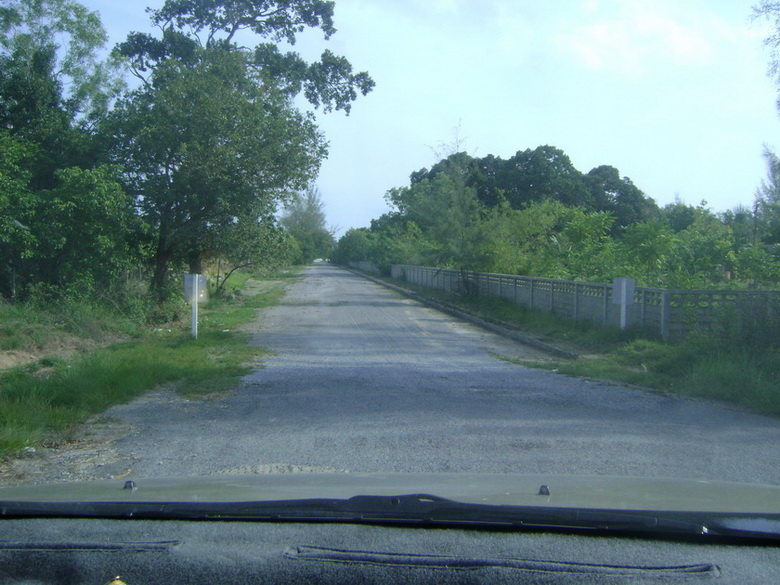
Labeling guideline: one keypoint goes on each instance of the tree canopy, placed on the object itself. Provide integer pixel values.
(65, 218)
(546, 172)
(189, 25)
(535, 214)
(212, 134)
(190, 165)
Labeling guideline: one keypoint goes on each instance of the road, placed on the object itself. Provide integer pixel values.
(363, 379)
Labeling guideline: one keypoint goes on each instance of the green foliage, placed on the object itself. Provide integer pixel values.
(16, 209)
(443, 219)
(304, 220)
(447, 213)
(83, 230)
(204, 150)
(207, 143)
(644, 249)
(546, 173)
(211, 141)
(41, 401)
(65, 219)
(767, 203)
(701, 252)
(250, 243)
(187, 25)
(354, 246)
(756, 266)
(67, 37)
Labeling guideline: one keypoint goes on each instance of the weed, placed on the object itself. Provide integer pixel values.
(35, 408)
(742, 365)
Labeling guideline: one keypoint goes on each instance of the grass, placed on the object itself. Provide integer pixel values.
(576, 336)
(43, 401)
(719, 367)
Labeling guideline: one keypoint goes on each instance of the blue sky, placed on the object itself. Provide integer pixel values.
(674, 93)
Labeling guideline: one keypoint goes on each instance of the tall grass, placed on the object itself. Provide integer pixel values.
(40, 402)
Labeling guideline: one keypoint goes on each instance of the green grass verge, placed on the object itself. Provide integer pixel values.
(716, 367)
(41, 402)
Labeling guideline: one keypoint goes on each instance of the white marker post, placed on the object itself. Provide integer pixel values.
(623, 294)
(195, 292)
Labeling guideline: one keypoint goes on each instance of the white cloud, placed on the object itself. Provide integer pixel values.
(630, 36)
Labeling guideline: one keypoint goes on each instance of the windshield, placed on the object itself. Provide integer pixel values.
(510, 303)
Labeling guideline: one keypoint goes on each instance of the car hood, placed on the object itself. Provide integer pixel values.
(555, 491)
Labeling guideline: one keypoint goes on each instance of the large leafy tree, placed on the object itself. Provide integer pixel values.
(211, 135)
(767, 207)
(545, 172)
(206, 143)
(189, 24)
(770, 10)
(619, 195)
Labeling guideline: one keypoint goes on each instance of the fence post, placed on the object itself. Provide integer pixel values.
(605, 291)
(552, 296)
(576, 301)
(531, 293)
(666, 305)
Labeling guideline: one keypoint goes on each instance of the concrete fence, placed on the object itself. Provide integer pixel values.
(673, 314)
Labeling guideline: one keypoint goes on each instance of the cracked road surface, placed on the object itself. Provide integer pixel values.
(363, 379)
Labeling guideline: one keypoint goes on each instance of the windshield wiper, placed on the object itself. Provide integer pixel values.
(420, 510)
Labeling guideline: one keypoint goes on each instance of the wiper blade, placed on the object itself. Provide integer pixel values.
(420, 509)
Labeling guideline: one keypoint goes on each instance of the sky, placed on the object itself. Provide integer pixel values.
(673, 93)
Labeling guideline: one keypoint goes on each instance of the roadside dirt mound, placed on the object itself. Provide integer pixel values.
(13, 358)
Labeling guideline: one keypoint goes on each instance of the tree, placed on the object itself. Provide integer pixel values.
(770, 10)
(701, 252)
(768, 194)
(743, 222)
(16, 207)
(619, 196)
(520, 239)
(66, 37)
(678, 215)
(64, 217)
(354, 246)
(543, 173)
(206, 143)
(84, 230)
(212, 134)
(644, 248)
(767, 201)
(447, 213)
(304, 220)
(253, 243)
(189, 24)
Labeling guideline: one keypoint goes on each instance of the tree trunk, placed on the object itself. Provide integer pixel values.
(162, 259)
(160, 274)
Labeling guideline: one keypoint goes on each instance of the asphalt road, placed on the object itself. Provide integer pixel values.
(366, 380)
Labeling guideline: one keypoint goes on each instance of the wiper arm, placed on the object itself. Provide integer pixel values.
(420, 509)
